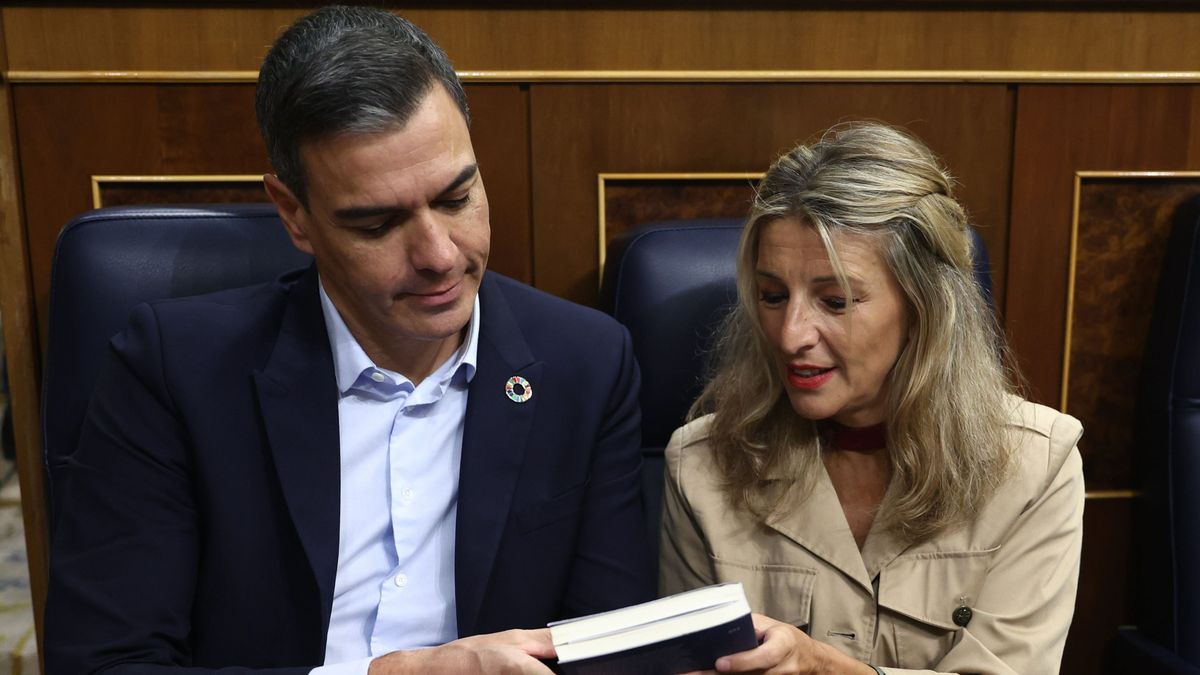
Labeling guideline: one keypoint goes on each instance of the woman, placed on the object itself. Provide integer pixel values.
(859, 460)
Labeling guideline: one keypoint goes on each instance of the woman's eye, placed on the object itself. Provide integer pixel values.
(834, 302)
(772, 298)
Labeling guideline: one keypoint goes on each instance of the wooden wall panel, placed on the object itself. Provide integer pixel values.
(1122, 229)
(580, 131)
(1061, 130)
(68, 133)
(22, 354)
(852, 37)
(1105, 596)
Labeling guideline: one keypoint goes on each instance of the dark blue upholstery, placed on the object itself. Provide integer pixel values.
(671, 283)
(1167, 638)
(110, 260)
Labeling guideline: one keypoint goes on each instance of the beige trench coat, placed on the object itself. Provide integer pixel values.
(1015, 567)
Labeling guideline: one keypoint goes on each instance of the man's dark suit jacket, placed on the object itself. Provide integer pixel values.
(199, 516)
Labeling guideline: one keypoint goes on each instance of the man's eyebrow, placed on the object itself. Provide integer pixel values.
(463, 176)
(360, 212)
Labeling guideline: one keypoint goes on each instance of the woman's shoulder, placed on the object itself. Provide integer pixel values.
(688, 454)
(691, 438)
(1043, 438)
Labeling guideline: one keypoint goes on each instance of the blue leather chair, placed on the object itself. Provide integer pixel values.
(672, 283)
(1167, 636)
(110, 260)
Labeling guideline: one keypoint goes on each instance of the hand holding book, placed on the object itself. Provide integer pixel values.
(784, 648)
(680, 633)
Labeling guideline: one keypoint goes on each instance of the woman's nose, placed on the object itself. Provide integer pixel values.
(799, 330)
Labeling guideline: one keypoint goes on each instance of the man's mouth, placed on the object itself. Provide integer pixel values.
(437, 296)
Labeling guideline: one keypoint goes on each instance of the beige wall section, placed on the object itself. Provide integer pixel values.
(225, 39)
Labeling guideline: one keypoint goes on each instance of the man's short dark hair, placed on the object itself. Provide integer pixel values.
(344, 70)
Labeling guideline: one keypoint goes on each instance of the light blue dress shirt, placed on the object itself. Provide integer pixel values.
(400, 451)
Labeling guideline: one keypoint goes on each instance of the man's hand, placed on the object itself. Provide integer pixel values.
(513, 651)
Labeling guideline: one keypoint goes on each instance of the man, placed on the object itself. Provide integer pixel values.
(371, 460)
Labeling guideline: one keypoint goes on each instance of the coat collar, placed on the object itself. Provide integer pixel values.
(819, 524)
(494, 440)
(298, 383)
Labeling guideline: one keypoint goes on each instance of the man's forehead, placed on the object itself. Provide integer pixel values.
(417, 165)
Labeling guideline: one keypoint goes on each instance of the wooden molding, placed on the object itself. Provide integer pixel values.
(99, 181)
(651, 76)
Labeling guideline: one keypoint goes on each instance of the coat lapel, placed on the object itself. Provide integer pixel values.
(297, 393)
(494, 439)
(820, 525)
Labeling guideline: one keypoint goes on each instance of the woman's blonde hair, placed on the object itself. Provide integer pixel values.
(947, 394)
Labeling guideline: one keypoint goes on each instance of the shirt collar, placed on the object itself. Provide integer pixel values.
(350, 362)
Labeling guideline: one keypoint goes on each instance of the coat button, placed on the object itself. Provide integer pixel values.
(962, 616)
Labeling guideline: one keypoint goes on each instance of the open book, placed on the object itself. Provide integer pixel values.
(677, 634)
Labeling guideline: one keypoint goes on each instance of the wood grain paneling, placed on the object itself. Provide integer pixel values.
(22, 354)
(221, 38)
(1122, 231)
(140, 190)
(1106, 587)
(122, 130)
(1061, 130)
(580, 131)
(628, 203)
(210, 129)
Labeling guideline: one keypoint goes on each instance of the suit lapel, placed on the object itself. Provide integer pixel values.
(494, 439)
(297, 393)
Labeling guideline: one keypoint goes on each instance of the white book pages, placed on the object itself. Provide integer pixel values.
(654, 632)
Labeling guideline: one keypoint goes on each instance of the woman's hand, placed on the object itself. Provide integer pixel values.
(784, 649)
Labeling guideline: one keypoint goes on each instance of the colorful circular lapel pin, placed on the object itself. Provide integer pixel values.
(518, 389)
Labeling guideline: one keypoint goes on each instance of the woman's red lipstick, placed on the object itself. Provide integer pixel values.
(806, 376)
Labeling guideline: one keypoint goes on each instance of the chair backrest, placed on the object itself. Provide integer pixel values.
(672, 283)
(1167, 443)
(110, 260)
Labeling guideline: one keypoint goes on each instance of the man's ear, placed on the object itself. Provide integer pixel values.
(291, 212)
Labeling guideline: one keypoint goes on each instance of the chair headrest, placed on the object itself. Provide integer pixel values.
(671, 283)
(110, 260)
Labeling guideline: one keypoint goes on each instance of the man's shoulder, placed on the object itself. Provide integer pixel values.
(221, 323)
(230, 306)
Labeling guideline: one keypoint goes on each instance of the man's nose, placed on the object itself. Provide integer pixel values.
(430, 247)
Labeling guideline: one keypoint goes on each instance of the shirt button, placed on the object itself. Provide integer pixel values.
(378, 376)
(406, 494)
(402, 580)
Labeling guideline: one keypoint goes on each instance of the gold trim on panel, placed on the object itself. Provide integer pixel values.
(1113, 494)
(602, 178)
(97, 181)
(1080, 176)
(600, 76)
(957, 76)
(136, 76)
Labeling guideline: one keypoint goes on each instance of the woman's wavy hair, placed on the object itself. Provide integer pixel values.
(948, 392)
